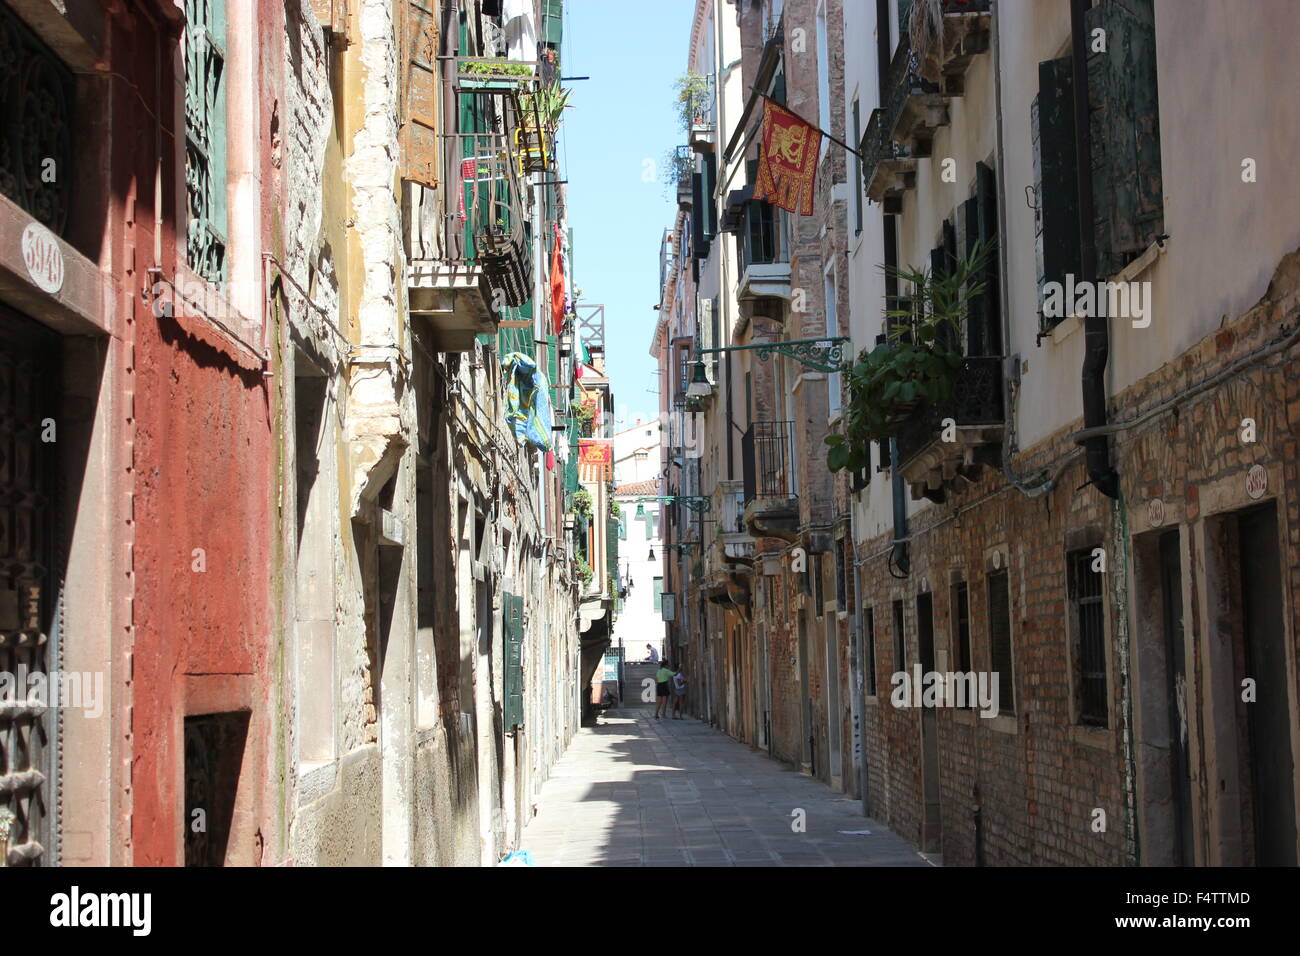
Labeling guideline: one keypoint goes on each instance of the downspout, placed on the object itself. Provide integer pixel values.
(1096, 327)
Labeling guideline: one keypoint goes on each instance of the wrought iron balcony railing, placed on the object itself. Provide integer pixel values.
(483, 224)
(767, 458)
(976, 399)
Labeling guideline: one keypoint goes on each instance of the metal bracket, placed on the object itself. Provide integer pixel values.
(824, 355)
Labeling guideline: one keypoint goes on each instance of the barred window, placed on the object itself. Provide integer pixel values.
(1088, 613)
(205, 137)
(999, 597)
(869, 624)
(900, 643)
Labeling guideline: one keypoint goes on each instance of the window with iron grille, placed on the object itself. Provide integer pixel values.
(869, 625)
(841, 576)
(900, 643)
(961, 629)
(1088, 613)
(205, 137)
(819, 597)
(999, 598)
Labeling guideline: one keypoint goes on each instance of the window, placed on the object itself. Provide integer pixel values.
(961, 626)
(834, 400)
(659, 595)
(1088, 618)
(869, 624)
(900, 643)
(205, 137)
(1124, 128)
(841, 575)
(823, 78)
(857, 169)
(819, 598)
(999, 598)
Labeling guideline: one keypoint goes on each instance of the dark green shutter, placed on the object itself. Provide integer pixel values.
(513, 613)
(986, 337)
(1123, 107)
(1056, 189)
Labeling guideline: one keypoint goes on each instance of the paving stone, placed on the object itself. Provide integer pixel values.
(639, 792)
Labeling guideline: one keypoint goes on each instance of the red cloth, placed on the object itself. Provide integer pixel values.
(787, 162)
(557, 285)
(550, 461)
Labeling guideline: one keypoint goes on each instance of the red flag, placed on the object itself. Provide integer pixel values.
(595, 459)
(557, 284)
(787, 161)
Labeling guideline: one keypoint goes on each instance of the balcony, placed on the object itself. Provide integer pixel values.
(702, 125)
(932, 466)
(763, 257)
(771, 505)
(477, 260)
(914, 102)
(734, 544)
(683, 169)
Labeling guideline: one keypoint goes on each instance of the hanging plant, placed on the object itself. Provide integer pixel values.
(916, 363)
(615, 509)
(582, 504)
(584, 572)
(546, 105)
(692, 93)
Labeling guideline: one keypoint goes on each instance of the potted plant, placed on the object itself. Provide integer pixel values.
(917, 361)
(582, 504)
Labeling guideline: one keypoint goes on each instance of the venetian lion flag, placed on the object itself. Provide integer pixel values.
(787, 162)
(595, 459)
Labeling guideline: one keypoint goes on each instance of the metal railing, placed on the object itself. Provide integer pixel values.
(766, 455)
(483, 220)
(976, 399)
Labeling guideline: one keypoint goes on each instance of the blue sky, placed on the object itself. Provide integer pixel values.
(621, 117)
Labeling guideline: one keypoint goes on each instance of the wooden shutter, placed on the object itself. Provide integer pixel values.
(419, 142)
(987, 329)
(1056, 189)
(332, 15)
(1127, 196)
(513, 615)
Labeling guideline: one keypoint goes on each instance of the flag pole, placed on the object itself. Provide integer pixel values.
(836, 141)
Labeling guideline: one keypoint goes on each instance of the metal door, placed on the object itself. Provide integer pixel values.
(30, 604)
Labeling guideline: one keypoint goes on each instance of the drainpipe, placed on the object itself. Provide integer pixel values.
(1096, 327)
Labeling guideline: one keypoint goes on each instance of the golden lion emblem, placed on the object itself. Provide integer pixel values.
(788, 144)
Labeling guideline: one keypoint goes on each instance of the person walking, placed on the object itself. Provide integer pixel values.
(663, 676)
(679, 694)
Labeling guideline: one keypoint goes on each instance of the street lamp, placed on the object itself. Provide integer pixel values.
(699, 386)
(652, 555)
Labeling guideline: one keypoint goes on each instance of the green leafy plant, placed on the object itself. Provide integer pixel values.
(918, 360)
(692, 91)
(676, 167)
(546, 105)
(584, 572)
(615, 509)
(582, 504)
(499, 67)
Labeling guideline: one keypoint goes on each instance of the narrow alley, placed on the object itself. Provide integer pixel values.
(636, 791)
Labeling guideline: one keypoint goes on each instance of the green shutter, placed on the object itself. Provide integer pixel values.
(513, 613)
(1056, 186)
(205, 137)
(659, 595)
(553, 23)
(987, 329)
(1123, 106)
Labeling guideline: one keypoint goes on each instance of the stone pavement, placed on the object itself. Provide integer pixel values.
(636, 791)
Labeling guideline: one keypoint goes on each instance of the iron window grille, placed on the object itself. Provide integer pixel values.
(869, 619)
(961, 628)
(1087, 606)
(900, 641)
(205, 137)
(999, 598)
